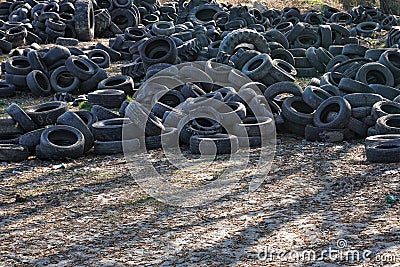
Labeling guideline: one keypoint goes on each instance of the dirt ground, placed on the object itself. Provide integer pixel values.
(91, 212)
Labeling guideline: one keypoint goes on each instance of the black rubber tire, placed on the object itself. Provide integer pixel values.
(295, 110)
(389, 124)
(191, 90)
(331, 89)
(108, 98)
(31, 139)
(158, 49)
(359, 127)
(103, 113)
(352, 86)
(307, 39)
(385, 91)
(391, 59)
(84, 20)
(60, 142)
(64, 41)
(302, 62)
(282, 88)
(10, 127)
(165, 28)
(118, 82)
(383, 108)
(234, 111)
(328, 135)
(274, 35)
(110, 130)
(92, 83)
(354, 50)
(47, 113)
(63, 81)
(123, 18)
(6, 89)
(172, 98)
(236, 37)
(13, 153)
(282, 71)
(224, 144)
(315, 61)
(361, 112)
(87, 117)
(254, 127)
(335, 104)
(375, 73)
(335, 61)
(116, 147)
(21, 117)
(114, 55)
(258, 67)
(385, 152)
(17, 65)
(203, 13)
(71, 119)
(169, 138)
(100, 57)
(362, 99)
(314, 96)
(367, 28)
(36, 61)
(378, 139)
(80, 67)
(307, 72)
(38, 83)
(55, 55)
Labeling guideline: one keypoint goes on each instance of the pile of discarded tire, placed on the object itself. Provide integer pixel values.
(357, 95)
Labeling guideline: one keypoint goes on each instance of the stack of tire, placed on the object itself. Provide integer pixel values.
(32, 22)
(393, 39)
(219, 116)
(52, 132)
(343, 99)
(114, 16)
(55, 70)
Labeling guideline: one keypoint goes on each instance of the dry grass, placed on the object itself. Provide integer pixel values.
(303, 5)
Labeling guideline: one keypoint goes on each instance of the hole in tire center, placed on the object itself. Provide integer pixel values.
(302, 107)
(330, 108)
(254, 65)
(205, 14)
(136, 32)
(42, 81)
(157, 50)
(46, 108)
(113, 82)
(170, 100)
(62, 138)
(394, 59)
(205, 122)
(81, 65)
(376, 77)
(91, 19)
(116, 122)
(284, 67)
(20, 63)
(395, 123)
(390, 109)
